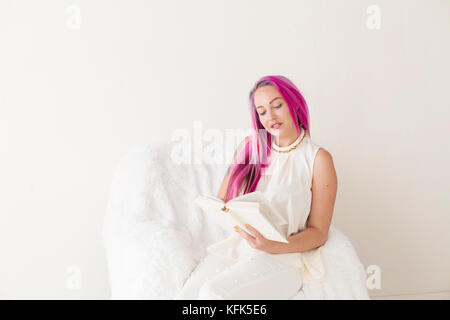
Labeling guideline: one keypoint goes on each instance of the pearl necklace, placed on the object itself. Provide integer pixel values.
(293, 147)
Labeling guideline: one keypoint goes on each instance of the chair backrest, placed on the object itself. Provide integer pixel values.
(151, 184)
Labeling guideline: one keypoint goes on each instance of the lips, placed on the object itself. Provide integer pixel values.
(276, 125)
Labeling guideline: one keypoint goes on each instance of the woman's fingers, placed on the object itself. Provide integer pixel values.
(257, 241)
(254, 231)
(243, 233)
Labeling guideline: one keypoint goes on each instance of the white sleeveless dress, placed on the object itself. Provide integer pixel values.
(287, 185)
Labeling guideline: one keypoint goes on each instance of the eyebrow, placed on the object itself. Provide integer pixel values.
(270, 102)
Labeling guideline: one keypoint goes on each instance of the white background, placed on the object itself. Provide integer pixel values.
(79, 91)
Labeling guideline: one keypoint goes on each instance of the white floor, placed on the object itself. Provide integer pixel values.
(444, 295)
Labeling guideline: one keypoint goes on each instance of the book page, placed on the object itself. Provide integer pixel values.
(213, 208)
(251, 214)
(266, 208)
(252, 208)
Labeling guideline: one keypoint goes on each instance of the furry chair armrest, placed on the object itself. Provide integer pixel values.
(152, 261)
(153, 233)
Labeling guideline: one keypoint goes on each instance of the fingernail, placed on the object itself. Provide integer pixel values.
(236, 228)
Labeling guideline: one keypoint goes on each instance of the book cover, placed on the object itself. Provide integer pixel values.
(252, 208)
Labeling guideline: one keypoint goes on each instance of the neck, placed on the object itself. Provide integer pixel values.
(286, 141)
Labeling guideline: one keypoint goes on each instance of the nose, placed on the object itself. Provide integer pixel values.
(271, 115)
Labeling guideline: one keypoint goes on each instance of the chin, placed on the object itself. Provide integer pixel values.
(275, 134)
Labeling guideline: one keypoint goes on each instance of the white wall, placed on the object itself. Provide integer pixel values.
(76, 94)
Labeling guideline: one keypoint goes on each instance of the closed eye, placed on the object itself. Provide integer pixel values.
(277, 107)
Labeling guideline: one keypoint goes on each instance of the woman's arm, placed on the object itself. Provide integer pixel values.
(224, 186)
(324, 188)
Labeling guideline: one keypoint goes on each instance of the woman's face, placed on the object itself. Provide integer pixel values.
(273, 110)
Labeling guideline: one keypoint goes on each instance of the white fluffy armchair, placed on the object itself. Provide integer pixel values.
(154, 234)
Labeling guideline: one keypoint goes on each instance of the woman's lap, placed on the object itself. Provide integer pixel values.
(257, 276)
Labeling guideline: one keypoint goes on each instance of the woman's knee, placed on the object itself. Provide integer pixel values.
(210, 291)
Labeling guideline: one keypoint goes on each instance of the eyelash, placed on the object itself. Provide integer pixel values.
(277, 107)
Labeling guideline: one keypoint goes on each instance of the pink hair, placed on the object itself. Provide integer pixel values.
(246, 168)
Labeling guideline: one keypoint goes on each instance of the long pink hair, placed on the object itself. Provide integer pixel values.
(246, 167)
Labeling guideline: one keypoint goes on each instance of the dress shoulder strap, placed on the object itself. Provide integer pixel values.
(311, 149)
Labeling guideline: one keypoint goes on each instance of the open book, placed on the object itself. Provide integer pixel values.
(251, 208)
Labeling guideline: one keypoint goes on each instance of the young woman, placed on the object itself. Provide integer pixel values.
(298, 178)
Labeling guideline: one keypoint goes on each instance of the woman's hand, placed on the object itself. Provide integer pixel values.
(258, 241)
